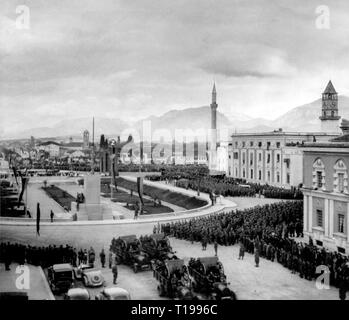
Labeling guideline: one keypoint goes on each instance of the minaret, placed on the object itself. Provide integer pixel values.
(213, 146)
(329, 113)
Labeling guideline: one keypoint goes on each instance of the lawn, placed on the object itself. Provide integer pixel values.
(175, 198)
(124, 197)
(62, 197)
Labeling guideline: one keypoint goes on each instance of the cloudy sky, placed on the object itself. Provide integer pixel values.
(133, 58)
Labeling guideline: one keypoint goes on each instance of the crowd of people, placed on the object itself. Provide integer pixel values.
(46, 256)
(237, 188)
(270, 232)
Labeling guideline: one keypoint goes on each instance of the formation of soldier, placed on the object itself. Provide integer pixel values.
(267, 231)
(44, 256)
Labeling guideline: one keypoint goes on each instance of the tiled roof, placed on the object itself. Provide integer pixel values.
(48, 143)
(330, 88)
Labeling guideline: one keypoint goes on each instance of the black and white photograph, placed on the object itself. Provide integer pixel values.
(166, 151)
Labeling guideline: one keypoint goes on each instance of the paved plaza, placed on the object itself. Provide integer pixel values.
(270, 281)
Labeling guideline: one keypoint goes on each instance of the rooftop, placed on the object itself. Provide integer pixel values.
(330, 88)
(282, 133)
(48, 143)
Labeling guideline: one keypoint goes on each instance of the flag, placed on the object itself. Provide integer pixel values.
(38, 219)
(140, 188)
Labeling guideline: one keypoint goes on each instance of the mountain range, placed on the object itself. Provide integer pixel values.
(302, 118)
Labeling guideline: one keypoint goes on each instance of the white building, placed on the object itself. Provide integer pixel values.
(275, 157)
(269, 158)
(53, 148)
(326, 193)
(4, 169)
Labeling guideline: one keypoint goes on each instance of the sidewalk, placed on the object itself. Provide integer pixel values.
(38, 285)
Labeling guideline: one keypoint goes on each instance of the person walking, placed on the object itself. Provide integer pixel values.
(111, 258)
(91, 257)
(114, 270)
(85, 256)
(257, 246)
(52, 215)
(102, 257)
(215, 246)
(241, 251)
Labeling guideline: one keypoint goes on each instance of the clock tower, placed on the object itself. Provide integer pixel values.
(329, 114)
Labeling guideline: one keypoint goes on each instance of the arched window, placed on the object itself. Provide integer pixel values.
(340, 177)
(319, 174)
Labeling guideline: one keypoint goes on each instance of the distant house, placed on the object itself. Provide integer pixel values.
(51, 147)
(4, 168)
(73, 145)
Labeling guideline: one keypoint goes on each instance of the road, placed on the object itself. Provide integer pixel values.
(270, 281)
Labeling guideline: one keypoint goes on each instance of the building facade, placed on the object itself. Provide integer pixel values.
(272, 158)
(51, 147)
(326, 193)
(275, 158)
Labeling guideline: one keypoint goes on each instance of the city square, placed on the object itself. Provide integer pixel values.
(174, 151)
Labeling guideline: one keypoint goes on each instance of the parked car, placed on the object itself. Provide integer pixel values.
(60, 277)
(77, 294)
(113, 293)
(92, 277)
(79, 270)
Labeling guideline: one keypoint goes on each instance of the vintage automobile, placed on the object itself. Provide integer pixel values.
(113, 293)
(92, 277)
(60, 277)
(174, 280)
(128, 251)
(77, 294)
(157, 246)
(78, 271)
(208, 277)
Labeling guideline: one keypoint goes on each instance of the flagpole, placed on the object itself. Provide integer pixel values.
(26, 195)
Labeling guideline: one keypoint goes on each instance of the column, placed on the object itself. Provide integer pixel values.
(327, 218)
(331, 218)
(347, 217)
(310, 214)
(305, 213)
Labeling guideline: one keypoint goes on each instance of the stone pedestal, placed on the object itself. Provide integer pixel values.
(92, 207)
(92, 189)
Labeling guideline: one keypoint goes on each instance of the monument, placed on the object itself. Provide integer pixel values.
(91, 209)
(213, 144)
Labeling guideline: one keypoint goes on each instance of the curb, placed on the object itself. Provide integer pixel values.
(42, 273)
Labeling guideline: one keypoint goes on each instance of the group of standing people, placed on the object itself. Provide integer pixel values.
(270, 232)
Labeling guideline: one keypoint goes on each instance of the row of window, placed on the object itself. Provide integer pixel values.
(340, 221)
(236, 157)
(340, 181)
(259, 144)
(251, 175)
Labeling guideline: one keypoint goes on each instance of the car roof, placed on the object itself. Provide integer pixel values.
(77, 291)
(62, 267)
(113, 291)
